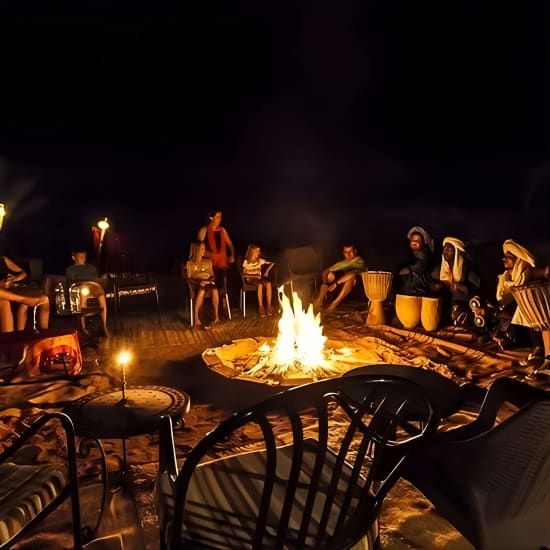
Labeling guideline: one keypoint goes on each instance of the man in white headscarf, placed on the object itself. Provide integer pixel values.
(456, 279)
(518, 270)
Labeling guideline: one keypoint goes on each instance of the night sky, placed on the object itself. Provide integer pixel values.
(304, 122)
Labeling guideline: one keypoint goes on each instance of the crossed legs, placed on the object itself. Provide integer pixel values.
(346, 282)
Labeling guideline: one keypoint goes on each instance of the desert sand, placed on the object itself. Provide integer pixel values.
(408, 520)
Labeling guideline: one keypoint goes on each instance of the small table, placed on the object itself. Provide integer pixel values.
(105, 415)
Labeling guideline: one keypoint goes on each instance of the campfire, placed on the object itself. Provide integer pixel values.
(299, 353)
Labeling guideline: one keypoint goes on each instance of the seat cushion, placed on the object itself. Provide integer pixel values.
(224, 495)
(25, 491)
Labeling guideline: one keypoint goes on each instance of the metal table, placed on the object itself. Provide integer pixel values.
(106, 415)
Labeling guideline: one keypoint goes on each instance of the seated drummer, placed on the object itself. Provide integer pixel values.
(339, 279)
(456, 280)
(511, 325)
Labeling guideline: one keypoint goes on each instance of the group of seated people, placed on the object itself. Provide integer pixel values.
(453, 277)
(16, 297)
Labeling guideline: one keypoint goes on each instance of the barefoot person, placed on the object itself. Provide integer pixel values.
(11, 273)
(256, 272)
(199, 273)
(340, 278)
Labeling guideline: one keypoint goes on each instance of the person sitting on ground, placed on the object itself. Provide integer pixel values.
(413, 277)
(199, 273)
(340, 278)
(81, 271)
(10, 275)
(505, 322)
(256, 272)
(456, 280)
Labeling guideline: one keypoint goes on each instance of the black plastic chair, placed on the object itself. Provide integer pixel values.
(303, 266)
(30, 491)
(311, 470)
(491, 480)
(446, 397)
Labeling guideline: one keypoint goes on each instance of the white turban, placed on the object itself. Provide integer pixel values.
(512, 247)
(456, 274)
(428, 241)
(519, 274)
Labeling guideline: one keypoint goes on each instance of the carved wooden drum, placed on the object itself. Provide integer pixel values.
(408, 309)
(533, 300)
(430, 313)
(377, 284)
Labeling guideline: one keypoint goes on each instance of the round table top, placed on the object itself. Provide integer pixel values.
(104, 414)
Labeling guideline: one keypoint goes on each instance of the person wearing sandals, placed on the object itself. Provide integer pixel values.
(256, 272)
(10, 275)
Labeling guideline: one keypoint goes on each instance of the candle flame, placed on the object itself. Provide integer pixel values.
(124, 358)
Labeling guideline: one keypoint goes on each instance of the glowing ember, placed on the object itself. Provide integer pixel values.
(299, 349)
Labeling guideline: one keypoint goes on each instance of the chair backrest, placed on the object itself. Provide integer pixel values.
(90, 291)
(244, 285)
(31, 489)
(490, 478)
(302, 260)
(129, 283)
(446, 396)
(311, 469)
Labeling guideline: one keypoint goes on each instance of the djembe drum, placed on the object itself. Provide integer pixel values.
(408, 309)
(533, 300)
(430, 313)
(377, 285)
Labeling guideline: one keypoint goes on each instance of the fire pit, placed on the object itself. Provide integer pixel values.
(299, 354)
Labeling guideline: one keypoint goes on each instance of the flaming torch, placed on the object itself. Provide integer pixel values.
(98, 232)
(2, 214)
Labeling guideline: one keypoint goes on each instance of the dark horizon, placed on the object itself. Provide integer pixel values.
(303, 123)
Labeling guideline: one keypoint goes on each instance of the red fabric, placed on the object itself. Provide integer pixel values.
(218, 254)
(48, 355)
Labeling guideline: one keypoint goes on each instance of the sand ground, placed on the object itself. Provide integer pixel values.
(408, 520)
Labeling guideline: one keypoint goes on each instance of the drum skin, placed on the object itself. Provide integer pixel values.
(408, 309)
(377, 284)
